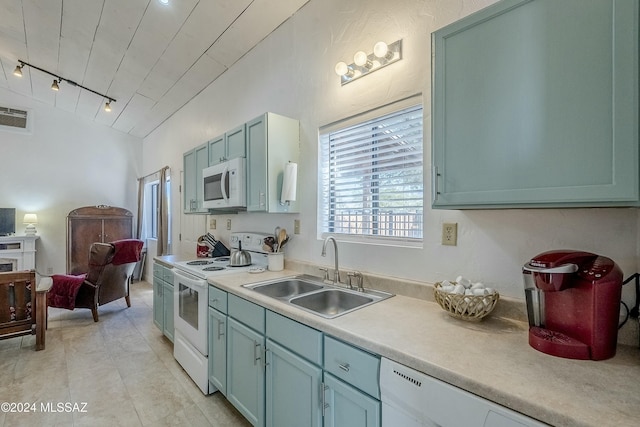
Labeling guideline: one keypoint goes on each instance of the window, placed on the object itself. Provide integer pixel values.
(152, 208)
(371, 175)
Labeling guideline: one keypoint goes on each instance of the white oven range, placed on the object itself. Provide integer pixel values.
(191, 299)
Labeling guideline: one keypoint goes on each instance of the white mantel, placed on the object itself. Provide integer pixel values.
(20, 251)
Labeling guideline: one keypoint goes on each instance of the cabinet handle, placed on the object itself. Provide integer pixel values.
(323, 398)
(434, 183)
(344, 367)
(265, 357)
(262, 198)
(256, 352)
(220, 333)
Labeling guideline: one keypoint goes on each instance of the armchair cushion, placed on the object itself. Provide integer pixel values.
(64, 290)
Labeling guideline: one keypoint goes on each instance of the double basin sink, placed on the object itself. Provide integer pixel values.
(317, 297)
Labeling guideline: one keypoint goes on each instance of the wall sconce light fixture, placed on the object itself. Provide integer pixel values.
(56, 82)
(363, 64)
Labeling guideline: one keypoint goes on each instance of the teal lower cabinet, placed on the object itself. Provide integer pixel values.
(217, 351)
(293, 389)
(245, 359)
(280, 373)
(351, 386)
(158, 299)
(163, 299)
(167, 310)
(346, 406)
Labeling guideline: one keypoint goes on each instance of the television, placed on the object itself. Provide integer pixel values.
(7, 221)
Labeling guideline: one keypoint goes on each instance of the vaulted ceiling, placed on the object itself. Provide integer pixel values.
(152, 58)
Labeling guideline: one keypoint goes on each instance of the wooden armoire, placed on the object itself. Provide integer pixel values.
(91, 224)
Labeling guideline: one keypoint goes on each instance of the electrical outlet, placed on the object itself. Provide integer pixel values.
(212, 223)
(450, 233)
(228, 224)
(296, 226)
(49, 270)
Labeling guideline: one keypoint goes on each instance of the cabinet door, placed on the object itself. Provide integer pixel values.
(217, 150)
(202, 161)
(257, 164)
(117, 229)
(194, 161)
(81, 234)
(189, 181)
(292, 389)
(235, 142)
(168, 311)
(346, 406)
(245, 371)
(535, 103)
(218, 350)
(158, 303)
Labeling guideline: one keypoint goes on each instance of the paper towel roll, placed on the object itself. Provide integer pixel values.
(289, 183)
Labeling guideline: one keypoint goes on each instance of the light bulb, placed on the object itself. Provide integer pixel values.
(341, 68)
(380, 49)
(360, 58)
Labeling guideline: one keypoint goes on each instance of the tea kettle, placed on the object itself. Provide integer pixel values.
(240, 258)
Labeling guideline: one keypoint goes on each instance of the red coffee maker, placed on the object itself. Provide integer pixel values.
(573, 304)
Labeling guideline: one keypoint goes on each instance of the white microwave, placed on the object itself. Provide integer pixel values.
(224, 185)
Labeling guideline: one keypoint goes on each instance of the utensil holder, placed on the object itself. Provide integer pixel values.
(275, 261)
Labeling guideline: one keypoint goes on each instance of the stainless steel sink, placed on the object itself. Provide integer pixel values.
(315, 296)
(286, 288)
(331, 303)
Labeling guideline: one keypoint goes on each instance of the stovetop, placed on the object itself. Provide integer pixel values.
(207, 267)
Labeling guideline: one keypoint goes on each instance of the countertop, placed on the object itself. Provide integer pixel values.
(491, 358)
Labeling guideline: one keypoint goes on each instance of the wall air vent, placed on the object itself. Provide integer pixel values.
(15, 119)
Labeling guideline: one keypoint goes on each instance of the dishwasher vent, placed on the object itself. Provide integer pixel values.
(408, 378)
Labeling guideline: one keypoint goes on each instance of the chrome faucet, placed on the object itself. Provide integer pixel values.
(336, 270)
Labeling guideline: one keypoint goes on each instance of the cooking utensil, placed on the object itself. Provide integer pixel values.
(282, 235)
(240, 258)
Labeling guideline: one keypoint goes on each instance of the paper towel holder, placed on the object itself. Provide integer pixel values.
(289, 184)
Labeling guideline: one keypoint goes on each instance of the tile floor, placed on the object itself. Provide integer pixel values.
(121, 367)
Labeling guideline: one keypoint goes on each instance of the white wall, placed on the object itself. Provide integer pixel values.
(291, 73)
(67, 162)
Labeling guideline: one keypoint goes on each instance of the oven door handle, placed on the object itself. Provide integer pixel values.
(193, 280)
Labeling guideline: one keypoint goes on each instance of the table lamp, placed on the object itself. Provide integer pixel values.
(31, 220)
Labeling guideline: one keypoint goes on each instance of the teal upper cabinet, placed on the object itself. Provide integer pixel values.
(272, 142)
(227, 146)
(194, 161)
(535, 104)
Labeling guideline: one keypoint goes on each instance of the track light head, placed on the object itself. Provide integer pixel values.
(107, 106)
(54, 85)
(18, 70)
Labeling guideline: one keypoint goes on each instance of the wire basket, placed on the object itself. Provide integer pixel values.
(466, 307)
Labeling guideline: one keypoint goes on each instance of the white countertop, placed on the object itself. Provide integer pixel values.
(491, 358)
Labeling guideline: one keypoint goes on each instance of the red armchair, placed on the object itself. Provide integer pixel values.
(111, 267)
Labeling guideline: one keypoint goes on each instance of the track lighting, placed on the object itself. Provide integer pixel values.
(57, 80)
(364, 64)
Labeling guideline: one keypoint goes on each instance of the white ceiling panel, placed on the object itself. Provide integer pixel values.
(12, 34)
(134, 112)
(152, 58)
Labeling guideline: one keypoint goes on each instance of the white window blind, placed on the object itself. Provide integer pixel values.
(371, 180)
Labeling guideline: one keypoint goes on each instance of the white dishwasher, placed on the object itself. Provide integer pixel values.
(413, 399)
